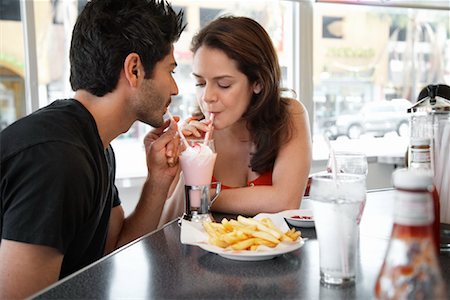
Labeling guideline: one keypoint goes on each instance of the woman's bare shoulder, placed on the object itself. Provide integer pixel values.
(295, 106)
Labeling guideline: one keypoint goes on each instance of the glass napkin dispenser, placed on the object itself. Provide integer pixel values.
(429, 115)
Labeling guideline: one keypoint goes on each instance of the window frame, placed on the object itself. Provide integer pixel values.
(30, 56)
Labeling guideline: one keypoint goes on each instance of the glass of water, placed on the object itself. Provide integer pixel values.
(337, 204)
(349, 162)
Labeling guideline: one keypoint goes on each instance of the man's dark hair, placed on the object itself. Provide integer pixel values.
(107, 31)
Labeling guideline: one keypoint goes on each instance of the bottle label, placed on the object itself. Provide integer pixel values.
(413, 208)
(420, 156)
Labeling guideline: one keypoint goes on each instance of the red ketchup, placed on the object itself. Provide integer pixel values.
(302, 217)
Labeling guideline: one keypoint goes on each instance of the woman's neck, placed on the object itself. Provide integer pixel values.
(238, 132)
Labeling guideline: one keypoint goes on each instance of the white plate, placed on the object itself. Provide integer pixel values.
(264, 253)
(298, 222)
(193, 233)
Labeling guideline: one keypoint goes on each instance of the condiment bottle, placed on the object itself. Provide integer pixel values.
(420, 152)
(410, 269)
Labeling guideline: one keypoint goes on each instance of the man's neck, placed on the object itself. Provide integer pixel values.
(108, 112)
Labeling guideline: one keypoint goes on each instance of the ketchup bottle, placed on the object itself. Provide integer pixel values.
(410, 269)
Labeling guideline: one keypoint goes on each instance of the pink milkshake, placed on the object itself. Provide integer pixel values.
(197, 164)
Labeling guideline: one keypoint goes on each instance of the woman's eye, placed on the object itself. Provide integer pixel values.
(200, 84)
(224, 86)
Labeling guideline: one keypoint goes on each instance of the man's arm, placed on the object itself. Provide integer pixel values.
(162, 165)
(25, 268)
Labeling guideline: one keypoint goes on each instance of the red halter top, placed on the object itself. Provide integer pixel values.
(263, 179)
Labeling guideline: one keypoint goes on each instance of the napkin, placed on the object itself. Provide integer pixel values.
(192, 233)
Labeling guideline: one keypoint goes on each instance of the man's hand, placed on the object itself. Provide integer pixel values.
(162, 147)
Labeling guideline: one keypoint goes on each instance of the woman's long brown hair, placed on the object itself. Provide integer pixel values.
(246, 42)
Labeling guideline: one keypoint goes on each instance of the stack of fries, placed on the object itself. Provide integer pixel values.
(247, 233)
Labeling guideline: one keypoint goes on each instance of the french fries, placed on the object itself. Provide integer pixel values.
(247, 233)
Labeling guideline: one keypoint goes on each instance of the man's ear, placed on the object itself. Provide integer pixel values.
(132, 68)
(257, 87)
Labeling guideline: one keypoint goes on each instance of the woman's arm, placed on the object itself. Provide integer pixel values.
(289, 178)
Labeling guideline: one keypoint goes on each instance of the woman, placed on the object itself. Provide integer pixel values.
(262, 139)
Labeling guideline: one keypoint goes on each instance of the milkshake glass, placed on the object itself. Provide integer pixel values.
(197, 164)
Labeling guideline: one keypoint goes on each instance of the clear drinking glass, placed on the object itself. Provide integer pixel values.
(198, 201)
(349, 162)
(337, 208)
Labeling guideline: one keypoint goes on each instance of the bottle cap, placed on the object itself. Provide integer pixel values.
(420, 141)
(412, 178)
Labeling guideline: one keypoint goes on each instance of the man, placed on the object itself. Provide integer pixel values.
(60, 210)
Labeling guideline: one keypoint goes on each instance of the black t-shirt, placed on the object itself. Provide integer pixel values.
(57, 183)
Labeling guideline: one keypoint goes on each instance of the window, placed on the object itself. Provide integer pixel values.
(207, 15)
(12, 88)
(384, 51)
(373, 54)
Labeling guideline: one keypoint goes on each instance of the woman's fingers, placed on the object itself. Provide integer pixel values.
(195, 128)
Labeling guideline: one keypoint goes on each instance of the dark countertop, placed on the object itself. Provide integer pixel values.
(158, 266)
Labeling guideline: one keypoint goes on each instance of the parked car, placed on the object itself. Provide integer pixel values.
(377, 117)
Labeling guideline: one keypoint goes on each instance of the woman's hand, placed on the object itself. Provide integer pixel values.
(195, 128)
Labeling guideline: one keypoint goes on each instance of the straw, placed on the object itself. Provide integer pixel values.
(179, 131)
(210, 127)
(332, 159)
(334, 174)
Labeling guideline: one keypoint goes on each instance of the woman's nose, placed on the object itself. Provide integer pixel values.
(209, 95)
